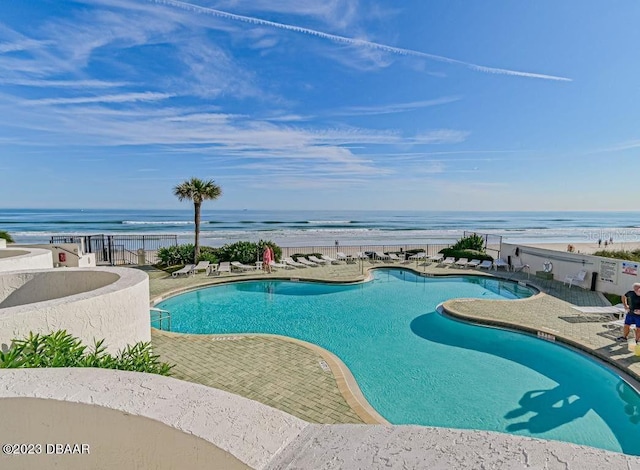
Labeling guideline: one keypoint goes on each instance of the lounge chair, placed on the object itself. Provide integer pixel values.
(291, 262)
(273, 264)
(212, 270)
(575, 279)
(224, 267)
(187, 270)
(394, 257)
(344, 257)
(201, 266)
(473, 263)
(461, 263)
(361, 255)
(448, 261)
(519, 267)
(500, 263)
(486, 264)
(306, 262)
(380, 256)
(315, 259)
(417, 256)
(242, 267)
(606, 310)
(436, 258)
(329, 259)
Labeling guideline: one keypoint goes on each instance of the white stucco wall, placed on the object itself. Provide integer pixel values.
(23, 258)
(3, 243)
(99, 303)
(566, 264)
(266, 438)
(74, 257)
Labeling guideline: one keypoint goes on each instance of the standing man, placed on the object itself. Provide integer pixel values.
(631, 302)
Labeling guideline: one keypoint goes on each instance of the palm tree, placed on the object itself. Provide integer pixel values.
(197, 190)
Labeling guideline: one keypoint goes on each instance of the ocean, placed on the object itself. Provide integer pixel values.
(320, 228)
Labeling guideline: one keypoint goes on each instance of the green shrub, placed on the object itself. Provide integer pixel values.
(472, 242)
(60, 349)
(469, 254)
(613, 298)
(5, 235)
(179, 254)
(620, 254)
(247, 252)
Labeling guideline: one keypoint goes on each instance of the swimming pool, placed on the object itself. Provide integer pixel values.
(416, 366)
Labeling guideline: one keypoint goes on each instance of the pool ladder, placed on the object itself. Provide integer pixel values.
(158, 315)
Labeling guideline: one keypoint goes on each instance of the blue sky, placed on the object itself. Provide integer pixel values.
(341, 104)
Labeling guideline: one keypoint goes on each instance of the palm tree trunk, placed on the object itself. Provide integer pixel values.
(196, 210)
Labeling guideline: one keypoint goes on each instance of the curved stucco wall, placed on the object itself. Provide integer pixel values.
(14, 259)
(266, 438)
(97, 303)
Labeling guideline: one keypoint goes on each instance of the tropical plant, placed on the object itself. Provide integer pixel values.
(179, 254)
(472, 242)
(60, 349)
(5, 235)
(197, 190)
(247, 252)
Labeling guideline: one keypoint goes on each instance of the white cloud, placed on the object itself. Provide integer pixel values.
(120, 98)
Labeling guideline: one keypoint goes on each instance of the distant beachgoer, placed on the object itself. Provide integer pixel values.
(631, 302)
(599, 242)
(605, 243)
(336, 242)
(267, 258)
(610, 240)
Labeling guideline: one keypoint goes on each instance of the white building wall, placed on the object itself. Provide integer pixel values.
(70, 255)
(613, 276)
(91, 304)
(18, 258)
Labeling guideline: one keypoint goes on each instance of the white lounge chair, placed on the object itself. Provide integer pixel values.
(380, 256)
(315, 259)
(329, 259)
(500, 263)
(224, 267)
(273, 264)
(344, 257)
(606, 310)
(361, 255)
(519, 267)
(473, 263)
(306, 262)
(461, 263)
(394, 257)
(201, 266)
(187, 270)
(436, 258)
(291, 262)
(486, 264)
(448, 261)
(417, 256)
(575, 279)
(242, 267)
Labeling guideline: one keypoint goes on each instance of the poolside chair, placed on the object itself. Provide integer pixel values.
(519, 267)
(224, 267)
(436, 258)
(486, 264)
(417, 256)
(188, 269)
(242, 267)
(361, 255)
(447, 261)
(500, 263)
(306, 262)
(201, 266)
(291, 262)
(575, 279)
(212, 270)
(394, 257)
(329, 259)
(461, 263)
(315, 259)
(378, 255)
(273, 264)
(344, 257)
(473, 263)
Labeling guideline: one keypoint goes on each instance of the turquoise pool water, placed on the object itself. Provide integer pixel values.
(416, 366)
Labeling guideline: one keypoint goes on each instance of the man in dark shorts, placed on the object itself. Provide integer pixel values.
(631, 302)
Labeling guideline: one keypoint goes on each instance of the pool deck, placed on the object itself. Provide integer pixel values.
(312, 384)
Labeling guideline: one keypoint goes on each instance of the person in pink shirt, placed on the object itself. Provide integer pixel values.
(267, 258)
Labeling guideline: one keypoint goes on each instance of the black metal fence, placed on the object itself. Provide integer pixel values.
(121, 249)
(491, 242)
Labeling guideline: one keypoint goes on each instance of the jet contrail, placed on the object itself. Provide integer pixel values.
(355, 42)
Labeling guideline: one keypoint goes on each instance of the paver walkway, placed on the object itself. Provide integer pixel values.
(288, 376)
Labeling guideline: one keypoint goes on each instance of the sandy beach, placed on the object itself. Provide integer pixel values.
(587, 248)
